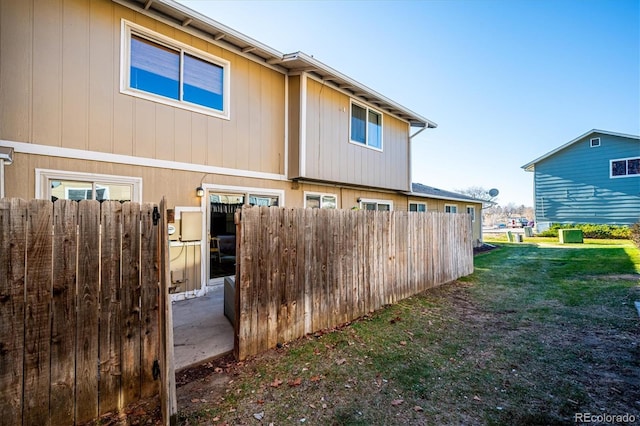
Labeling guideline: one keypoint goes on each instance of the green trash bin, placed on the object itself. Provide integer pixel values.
(567, 236)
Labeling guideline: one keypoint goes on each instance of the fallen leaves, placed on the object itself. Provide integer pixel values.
(341, 361)
(295, 382)
(397, 402)
(276, 383)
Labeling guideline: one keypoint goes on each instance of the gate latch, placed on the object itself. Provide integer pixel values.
(156, 215)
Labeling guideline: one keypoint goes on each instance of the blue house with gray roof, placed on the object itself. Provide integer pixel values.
(595, 178)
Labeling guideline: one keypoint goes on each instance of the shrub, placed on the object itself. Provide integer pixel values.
(589, 230)
(635, 234)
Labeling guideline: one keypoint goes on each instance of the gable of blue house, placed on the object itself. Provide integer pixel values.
(595, 178)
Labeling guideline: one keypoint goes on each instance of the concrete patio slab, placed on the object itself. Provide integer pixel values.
(200, 329)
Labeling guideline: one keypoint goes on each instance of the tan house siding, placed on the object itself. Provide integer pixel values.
(76, 102)
(329, 156)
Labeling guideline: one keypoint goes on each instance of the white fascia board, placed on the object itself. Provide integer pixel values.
(80, 154)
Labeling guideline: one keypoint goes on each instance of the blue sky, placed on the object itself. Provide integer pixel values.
(506, 81)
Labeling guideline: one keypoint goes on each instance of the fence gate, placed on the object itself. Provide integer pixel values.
(83, 310)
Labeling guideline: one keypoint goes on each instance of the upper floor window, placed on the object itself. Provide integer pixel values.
(163, 70)
(366, 126)
(594, 142)
(320, 201)
(417, 207)
(625, 167)
(450, 208)
(472, 212)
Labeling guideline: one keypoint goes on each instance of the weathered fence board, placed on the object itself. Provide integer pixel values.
(304, 270)
(79, 309)
(149, 270)
(63, 336)
(13, 241)
(131, 336)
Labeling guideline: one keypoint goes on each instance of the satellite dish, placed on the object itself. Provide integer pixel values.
(493, 192)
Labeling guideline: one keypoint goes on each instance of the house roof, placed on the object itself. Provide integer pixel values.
(420, 190)
(180, 16)
(530, 166)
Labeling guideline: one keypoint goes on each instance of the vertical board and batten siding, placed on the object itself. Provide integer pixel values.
(80, 309)
(330, 157)
(304, 270)
(574, 184)
(60, 87)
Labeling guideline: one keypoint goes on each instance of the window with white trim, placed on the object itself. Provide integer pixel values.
(315, 200)
(372, 204)
(417, 207)
(158, 68)
(594, 142)
(472, 212)
(55, 184)
(450, 208)
(366, 126)
(625, 167)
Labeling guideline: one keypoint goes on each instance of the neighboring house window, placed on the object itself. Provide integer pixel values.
(472, 211)
(366, 126)
(595, 142)
(417, 207)
(320, 201)
(381, 205)
(625, 167)
(54, 184)
(158, 68)
(450, 208)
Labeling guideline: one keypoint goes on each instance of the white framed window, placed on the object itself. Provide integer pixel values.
(314, 200)
(594, 142)
(417, 207)
(625, 167)
(59, 184)
(373, 204)
(155, 67)
(365, 126)
(471, 210)
(450, 208)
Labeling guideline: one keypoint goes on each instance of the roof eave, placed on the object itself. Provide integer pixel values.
(530, 166)
(326, 73)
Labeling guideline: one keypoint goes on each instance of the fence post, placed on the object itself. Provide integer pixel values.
(168, 389)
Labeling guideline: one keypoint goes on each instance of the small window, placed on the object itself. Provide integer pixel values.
(54, 185)
(320, 201)
(595, 142)
(417, 207)
(158, 68)
(366, 126)
(380, 205)
(450, 208)
(625, 167)
(263, 200)
(472, 212)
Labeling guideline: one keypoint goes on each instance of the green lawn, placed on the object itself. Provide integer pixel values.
(538, 333)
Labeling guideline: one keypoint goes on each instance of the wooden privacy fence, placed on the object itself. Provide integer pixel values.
(82, 324)
(304, 270)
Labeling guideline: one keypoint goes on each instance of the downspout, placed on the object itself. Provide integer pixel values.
(411, 156)
(6, 157)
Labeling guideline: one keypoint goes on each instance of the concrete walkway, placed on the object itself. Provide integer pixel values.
(200, 329)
